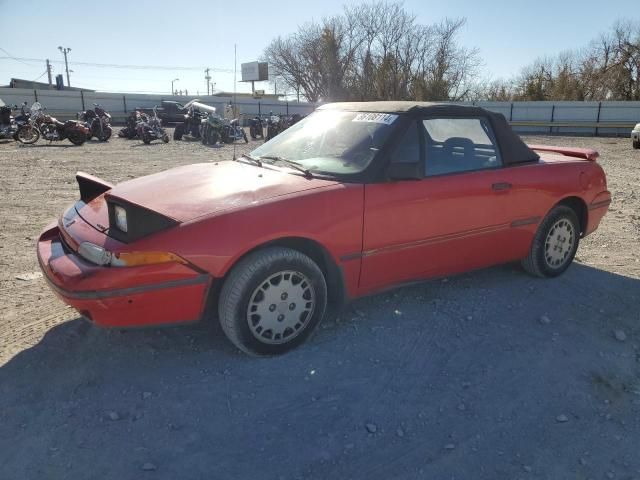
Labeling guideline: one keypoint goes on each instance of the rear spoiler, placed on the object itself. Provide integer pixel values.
(584, 153)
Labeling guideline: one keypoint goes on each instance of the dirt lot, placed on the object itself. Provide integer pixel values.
(490, 375)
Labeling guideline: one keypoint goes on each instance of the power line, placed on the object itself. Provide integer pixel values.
(114, 65)
(13, 58)
(38, 78)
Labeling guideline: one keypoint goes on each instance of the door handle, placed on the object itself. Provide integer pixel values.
(501, 186)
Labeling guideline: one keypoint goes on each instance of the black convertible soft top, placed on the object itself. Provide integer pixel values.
(513, 149)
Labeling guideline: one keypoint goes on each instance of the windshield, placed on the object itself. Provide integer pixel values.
(331, 142)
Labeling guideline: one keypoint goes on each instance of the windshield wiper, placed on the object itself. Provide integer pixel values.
(290, 163)
(255, 160)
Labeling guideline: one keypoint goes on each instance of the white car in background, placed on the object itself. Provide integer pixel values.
(635, 136)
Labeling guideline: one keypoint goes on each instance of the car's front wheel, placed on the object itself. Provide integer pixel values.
(555, 243)
(636, 144)
(272, 301)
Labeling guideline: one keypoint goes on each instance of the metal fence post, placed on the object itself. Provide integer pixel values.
(598, 117)
(35, 94)
(124, 103)
(259, 111)
(553, 111)
(287, 107)
(82, 99)
(511, 113)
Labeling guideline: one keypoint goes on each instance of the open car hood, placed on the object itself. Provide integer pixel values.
(188, 192)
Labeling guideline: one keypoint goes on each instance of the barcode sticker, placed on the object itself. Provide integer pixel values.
(385, 118)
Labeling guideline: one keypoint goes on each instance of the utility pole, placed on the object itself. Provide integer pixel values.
(66, 64)
(173, 92)
(207, 77)
(49, 73)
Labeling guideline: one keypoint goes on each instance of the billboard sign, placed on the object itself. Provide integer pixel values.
(254, 71)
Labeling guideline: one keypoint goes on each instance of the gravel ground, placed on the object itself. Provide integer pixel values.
(488, 375)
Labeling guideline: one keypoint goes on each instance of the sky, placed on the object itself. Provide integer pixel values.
(508, 35)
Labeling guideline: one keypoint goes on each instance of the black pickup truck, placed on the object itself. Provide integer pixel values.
(168, 111)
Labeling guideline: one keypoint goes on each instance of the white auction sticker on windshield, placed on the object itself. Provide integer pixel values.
(385, 118)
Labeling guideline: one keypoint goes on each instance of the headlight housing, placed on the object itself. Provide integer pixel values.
(120, 215)
(129, 222)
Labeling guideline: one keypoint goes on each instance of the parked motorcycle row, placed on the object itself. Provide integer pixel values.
(201, 122)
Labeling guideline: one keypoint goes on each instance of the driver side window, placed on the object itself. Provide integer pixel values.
(459, 145)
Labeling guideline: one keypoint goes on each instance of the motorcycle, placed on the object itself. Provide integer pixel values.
(130, 131)
(8, 125)
(24, 116)
(256, 128)
(98, 121)
(274, 127)
(211, 129)
(50, 128)
(150, 128)
(195, 114)
(278, 124)
(232, 131)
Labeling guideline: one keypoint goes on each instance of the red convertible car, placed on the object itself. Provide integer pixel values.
(354, 199)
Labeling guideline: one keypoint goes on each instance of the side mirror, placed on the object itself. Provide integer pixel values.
(404, 171)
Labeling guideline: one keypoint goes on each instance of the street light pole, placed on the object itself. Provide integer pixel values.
(65, 50)
(172, 90)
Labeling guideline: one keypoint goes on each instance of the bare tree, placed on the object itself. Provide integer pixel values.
(375, 51)
(606, 69)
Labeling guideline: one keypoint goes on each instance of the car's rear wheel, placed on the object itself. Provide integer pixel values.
(555, 243)
(272, 301)
(636, 144)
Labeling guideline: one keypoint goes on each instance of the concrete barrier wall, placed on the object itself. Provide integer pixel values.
(66, 104)
(587, 118)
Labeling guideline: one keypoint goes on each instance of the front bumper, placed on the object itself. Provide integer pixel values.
(122, 296)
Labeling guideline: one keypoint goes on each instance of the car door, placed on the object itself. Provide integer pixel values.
(456, 217)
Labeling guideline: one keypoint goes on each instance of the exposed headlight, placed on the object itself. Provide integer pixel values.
(121, 218)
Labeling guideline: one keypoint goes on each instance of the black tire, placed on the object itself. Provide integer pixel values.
(106, 134)
(146, 138)
(636, 144)
(178, 132)
(77, 138)
(165, 138)
(244, 135)
(252, 274)
(539, 263)
(27, 135)
(253, 131)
